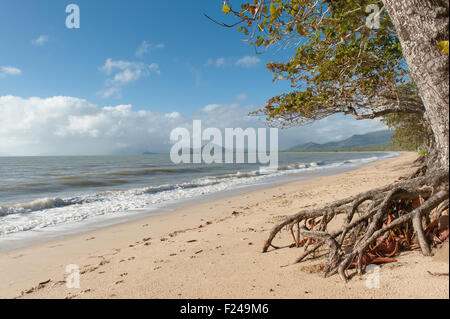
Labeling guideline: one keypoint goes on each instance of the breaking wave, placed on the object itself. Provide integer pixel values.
(47, 212)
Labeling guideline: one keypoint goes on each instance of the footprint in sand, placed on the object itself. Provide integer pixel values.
(103, 262)
(41, 285)
(88, 268)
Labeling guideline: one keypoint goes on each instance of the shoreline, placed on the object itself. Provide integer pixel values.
(212, 250)
(23, 239)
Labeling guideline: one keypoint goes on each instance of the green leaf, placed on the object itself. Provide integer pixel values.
(226, 9)
(273, 9)
(443, 46)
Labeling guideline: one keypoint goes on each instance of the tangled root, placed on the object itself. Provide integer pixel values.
(377, 224)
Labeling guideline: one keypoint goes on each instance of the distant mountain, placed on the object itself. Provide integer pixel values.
(379, 140)
(224, 150)
(150, 153)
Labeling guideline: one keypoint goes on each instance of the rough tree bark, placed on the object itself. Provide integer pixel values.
(421, 25)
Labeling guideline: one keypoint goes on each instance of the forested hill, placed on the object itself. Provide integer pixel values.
(379, 140)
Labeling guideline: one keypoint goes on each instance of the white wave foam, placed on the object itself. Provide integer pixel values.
(47, 212)
(38, 204)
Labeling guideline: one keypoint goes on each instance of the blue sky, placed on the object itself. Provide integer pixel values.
(69, 62)
(162, 57)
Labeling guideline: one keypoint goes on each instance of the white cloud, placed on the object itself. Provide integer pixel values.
(145, 47)
(154, 67)
(122, 72)
(329, 129)
(220, 62)
(173, 115)
(111, 92)
(248, 61)
(217, 62)
(211, 107)
(41, 40)
(69, 126)
(197, 73)
(9, 70)
(241, 97)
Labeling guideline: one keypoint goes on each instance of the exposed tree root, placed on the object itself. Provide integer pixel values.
(377, 224)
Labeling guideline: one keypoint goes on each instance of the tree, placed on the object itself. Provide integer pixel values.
(411, 131)
(421, 25)
(340, 65)
(344, 63)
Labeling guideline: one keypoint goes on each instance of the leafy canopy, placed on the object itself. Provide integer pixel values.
(340, 64)
(410, 132)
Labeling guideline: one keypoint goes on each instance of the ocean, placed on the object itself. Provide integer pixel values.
(39, 195)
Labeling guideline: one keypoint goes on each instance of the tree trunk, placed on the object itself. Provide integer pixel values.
(421, 25)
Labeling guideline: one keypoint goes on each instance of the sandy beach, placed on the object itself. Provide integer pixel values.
(213, 250)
